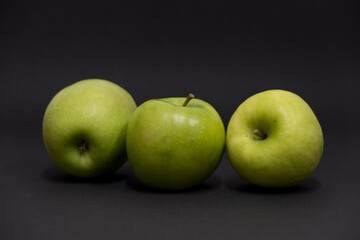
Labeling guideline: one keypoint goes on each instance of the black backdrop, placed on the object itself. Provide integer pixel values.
(223, 52)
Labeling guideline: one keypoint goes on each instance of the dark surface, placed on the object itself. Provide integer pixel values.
(223, 52)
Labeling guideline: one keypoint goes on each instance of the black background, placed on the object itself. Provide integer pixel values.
(223, 52)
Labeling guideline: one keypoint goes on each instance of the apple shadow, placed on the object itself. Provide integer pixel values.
(209, 184)
(237, 184)
(53, 174)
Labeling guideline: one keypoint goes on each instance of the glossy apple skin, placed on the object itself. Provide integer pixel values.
(294, 143)
(95, 112)
(172, 147)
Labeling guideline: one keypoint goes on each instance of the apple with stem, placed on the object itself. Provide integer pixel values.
(274, 139)
(175, 143)
(84, 127)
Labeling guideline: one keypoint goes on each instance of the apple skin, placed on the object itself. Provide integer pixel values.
(174, 147)
(84, 127)
(293, 146)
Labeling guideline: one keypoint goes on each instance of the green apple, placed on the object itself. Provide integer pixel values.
(175, 143)
(84, 127)
(274, 139)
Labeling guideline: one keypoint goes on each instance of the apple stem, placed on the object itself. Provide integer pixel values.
(258, 133)
(188, 99)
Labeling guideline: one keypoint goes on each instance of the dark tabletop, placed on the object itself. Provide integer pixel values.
(223, 52)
